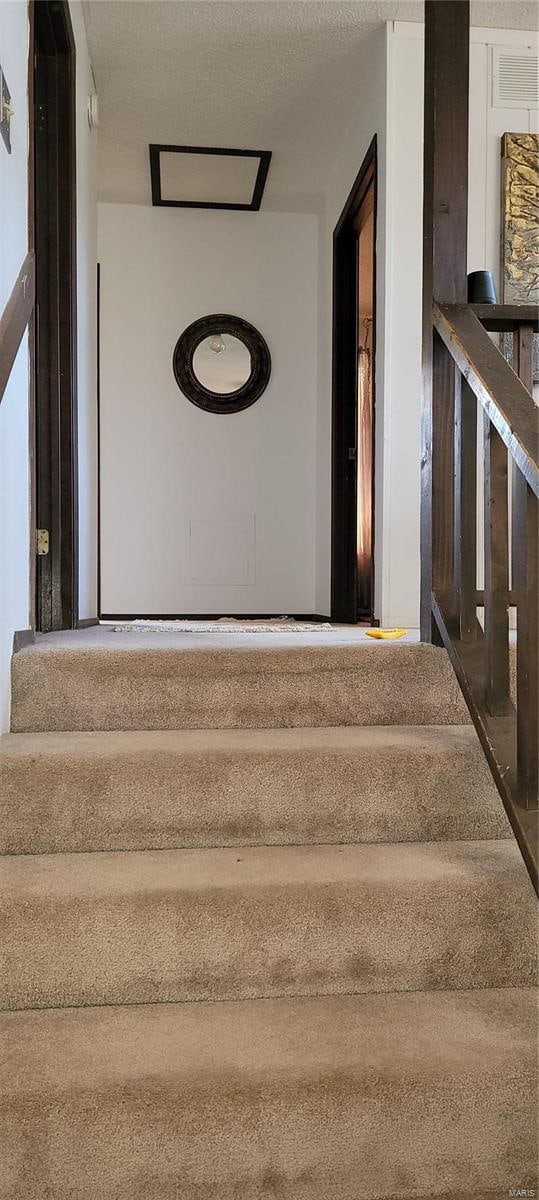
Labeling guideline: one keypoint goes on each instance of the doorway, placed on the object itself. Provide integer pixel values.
(54, 221)
(354, 348)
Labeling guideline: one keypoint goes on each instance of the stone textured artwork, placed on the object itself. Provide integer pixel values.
(520, 229)
(520, 218)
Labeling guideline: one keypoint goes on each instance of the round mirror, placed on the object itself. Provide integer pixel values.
(221, 363)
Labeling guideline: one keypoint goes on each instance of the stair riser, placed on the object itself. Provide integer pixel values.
(96, 690)
(84, 801)
(468, 924)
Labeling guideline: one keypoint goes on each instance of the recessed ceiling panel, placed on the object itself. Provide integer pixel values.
(208, 178)
(196, 177)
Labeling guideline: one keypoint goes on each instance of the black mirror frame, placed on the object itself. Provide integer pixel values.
(191, 386)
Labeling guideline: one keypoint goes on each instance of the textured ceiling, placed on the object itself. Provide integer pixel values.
(276, 75)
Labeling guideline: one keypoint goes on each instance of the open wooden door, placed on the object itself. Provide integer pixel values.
(354, 326)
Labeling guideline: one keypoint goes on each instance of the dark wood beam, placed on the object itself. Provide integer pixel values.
(445, 221)
(15, 318)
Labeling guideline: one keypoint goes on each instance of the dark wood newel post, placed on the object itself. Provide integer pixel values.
(445, 221)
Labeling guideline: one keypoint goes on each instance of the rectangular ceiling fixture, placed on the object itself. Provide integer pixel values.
(198, 177)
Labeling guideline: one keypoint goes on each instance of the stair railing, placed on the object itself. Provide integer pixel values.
(473, 375)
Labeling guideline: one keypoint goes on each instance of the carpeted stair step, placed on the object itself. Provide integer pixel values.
(176, 925)
(110, 683)
(384, 1097)
(142, 790)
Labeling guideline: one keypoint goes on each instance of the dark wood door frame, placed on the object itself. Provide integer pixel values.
(344, 604)
(53, 185)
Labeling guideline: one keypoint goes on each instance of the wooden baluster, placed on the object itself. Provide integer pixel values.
(496, 571)
(526, 568)
(522, 365)
(525, 584)
(465, 509)
(523, 355)
(443, 475)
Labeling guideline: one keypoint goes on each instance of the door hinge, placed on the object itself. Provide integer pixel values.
(352, 453)
(42, 541)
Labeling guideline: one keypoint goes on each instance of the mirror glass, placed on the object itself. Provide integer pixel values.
(222, 363)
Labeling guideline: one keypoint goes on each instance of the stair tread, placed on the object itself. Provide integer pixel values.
(338, 738)
(223, 924)
(129, 790)
(110, 873)
(210, 654)
(400, 1033)
(425, 1094)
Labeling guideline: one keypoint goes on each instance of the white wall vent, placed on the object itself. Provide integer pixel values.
(515, 79)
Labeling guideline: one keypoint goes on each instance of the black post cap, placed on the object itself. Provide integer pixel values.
(481, 288)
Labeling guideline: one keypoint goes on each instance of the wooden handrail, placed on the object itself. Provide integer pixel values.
(15, 318)
(506, 401)
(471, 370)
(507, 318)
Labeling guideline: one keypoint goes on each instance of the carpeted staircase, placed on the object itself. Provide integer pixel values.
(266, 934)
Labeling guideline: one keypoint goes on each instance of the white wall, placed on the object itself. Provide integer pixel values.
(14, 473)
(401, 567)
(14, 488)
(400, 602)
(367, 119)
(166, 465)
(86, 322)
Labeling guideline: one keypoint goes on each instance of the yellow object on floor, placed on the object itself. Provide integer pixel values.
(385, 633)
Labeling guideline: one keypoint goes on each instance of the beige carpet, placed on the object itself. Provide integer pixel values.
(286, 962)
(145, 927)
(152, 682)
(347, 1098)
(144, 790)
